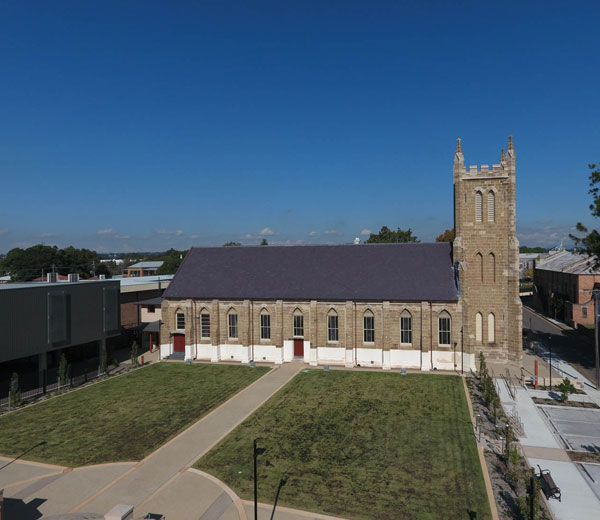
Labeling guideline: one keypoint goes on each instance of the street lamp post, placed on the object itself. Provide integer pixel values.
(257, 451)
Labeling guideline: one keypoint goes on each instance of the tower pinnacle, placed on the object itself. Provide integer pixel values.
(458, 146)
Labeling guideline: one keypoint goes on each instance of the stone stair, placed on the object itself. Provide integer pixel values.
(176, 356)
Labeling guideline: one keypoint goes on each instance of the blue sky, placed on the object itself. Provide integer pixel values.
(148, 125)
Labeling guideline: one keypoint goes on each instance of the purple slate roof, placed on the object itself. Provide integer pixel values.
(395, 272)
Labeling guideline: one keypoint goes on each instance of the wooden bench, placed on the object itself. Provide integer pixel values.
(549, 487)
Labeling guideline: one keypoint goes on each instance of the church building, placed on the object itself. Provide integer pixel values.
(416, 305)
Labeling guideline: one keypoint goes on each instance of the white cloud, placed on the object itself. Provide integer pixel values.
(109, 231)
(248, 236)
(266, 231)
(122, 237)
(177, 233)
(335, 232)
(45, 235)
(366, 232)
(313, 234)
(4, 231)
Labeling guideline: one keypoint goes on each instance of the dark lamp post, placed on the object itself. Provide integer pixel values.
(257, 451)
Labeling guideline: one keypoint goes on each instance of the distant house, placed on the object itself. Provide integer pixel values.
(142, 269)
(563, 284)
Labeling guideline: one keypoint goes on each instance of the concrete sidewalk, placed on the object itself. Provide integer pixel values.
(165, 464)
(542, 447)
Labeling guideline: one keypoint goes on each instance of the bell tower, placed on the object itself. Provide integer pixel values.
(486, 253)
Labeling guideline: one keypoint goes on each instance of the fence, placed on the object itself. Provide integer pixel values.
(73, 382)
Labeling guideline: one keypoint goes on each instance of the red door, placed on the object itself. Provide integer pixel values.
(298, 348)
(179, 343)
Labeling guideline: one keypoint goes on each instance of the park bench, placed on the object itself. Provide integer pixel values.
(549, 487)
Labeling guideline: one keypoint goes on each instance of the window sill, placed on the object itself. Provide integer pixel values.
(406, 344)
(369, 343)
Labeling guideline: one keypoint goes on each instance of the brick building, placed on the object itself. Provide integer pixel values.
(563, 284)
(425, 306)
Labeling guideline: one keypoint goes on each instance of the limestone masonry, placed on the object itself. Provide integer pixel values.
(425, 306)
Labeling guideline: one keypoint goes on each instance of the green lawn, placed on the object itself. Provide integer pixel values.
(361, 445)
(124, 418)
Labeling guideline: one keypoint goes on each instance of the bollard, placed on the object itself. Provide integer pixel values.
(536, 374)
(142, 360)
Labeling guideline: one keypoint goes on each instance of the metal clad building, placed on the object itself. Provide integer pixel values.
(41, 317)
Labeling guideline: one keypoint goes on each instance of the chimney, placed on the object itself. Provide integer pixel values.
(101, 277)
(52, 277)
(73, 277)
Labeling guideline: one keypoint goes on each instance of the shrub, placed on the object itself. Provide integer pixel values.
(566, 388)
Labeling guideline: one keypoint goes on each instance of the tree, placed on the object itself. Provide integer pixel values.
(264, 242)
(134, 354)
(566, 388)
(171, 261)
(63, 370)
(386, 235)
(231, 244)
(446, 236)
(14, 396)
(590, 243)
(26, 264)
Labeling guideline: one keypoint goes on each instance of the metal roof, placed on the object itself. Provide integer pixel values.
(30, 285)
(567, 262)
(398, 272)
(151, 301)
(147, 265)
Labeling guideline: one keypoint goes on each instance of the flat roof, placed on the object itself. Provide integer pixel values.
(31, 285)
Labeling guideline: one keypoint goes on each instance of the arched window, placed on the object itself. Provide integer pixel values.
(298, 324)
(179, 320)
(232, 324)
(204, 324)
(492, 262)
(444, 328)
(479, 266)
(406, 328)
(265, 324)
(478, 212)
(368, 327)
(491, 206)
(491, 328)
(478, 327)
(333, 331)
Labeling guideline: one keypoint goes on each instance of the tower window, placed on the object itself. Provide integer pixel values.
(478, 214)
(490, 206)
(491, 328)
(478, 327)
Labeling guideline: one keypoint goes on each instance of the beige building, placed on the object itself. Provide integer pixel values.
(425, 306)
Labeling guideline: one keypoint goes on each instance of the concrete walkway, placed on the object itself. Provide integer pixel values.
(161, 483)
(542, 447)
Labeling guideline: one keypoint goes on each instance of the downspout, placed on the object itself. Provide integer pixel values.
(430, 336)
(195, 331)
(252, 328)
(382, 333)
(355, 362)
(462, 351)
